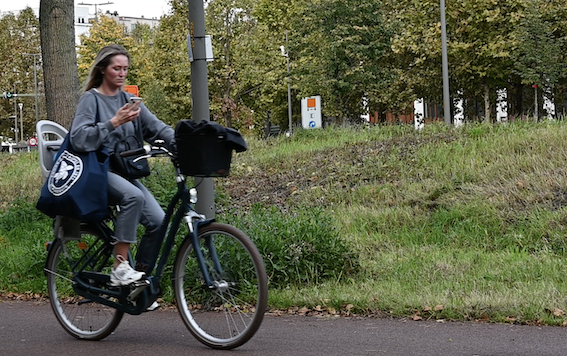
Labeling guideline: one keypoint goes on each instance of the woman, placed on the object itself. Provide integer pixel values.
(104, 117)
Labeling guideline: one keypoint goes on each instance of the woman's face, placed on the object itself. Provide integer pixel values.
(115, 74)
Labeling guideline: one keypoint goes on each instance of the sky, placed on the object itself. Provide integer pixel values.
(133, 8)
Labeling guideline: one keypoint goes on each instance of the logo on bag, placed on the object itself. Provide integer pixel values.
(65, 173)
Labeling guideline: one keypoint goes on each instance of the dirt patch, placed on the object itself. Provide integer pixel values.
(332, 170)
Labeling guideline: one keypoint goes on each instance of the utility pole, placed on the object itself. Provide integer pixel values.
(285, 53)
(16, 109)
(96, 7)
(35, 82)
(21, 105)
(200, 95)
(445, 64)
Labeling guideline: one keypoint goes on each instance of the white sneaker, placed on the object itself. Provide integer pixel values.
(124, 274)
(154, 306)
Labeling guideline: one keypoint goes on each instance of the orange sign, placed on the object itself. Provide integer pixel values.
(311, 103)
(132, 89)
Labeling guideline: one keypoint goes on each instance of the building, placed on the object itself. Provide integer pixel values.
(82, 24)
(82, 20)
(130, 23)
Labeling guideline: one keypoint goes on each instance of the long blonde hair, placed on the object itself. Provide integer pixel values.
(102, 61)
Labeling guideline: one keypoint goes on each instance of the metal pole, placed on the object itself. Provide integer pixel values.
(35, 90)
(21, 105)
(200, 96)
(536, 104)
(15, 127)
(35, 83)
(288, 88)
(445, 64)
(15, 112)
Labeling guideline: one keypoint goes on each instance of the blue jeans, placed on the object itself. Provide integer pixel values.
(137, 205)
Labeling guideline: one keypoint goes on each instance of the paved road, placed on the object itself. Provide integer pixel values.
(28, 328)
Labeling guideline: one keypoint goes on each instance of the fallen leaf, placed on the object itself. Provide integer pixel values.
(558, 312)
(438, 307)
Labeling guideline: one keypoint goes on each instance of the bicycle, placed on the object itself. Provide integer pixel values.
(219, 279)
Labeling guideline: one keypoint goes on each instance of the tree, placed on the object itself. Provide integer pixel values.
(340, 50)
(170, 65)
(229, 22)
(56, 18)
(19, 34)
(103, 32)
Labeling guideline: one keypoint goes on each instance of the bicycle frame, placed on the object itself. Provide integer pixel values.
(91, 284)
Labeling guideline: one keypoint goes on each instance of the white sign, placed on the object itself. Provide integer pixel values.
(501, 105)
(32, 141)
(311, 112)
(419, 114)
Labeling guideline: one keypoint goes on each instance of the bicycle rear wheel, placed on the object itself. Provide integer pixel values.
(228, 314)
(80, 317)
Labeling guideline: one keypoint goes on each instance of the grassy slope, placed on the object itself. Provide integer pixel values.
(466, 223)
(469, 221)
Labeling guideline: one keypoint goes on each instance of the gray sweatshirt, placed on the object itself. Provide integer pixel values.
(86, 135)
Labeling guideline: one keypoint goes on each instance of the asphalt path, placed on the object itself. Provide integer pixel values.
(30, 328)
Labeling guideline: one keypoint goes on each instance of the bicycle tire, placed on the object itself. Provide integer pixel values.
(225, 317)
(80, 317)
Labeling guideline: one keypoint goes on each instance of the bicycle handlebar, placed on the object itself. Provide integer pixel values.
(158, 148)
(137, 152)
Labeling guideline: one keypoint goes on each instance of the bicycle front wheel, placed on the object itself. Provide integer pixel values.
(80, 317)
(228, 313)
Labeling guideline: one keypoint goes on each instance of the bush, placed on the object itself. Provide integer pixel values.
(299, 247)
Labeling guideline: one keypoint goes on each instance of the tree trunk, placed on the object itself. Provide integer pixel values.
(487, 107)
(61, 80)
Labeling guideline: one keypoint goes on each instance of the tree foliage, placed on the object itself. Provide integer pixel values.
(19, 34)
(339, 51)
(359, 55)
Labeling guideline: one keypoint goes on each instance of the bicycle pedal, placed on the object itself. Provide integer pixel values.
(137, 288)
(140, 283)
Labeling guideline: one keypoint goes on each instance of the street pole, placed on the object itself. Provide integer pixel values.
(288, 87)
(200, 96)
(15, 127)
(536, 105)
(16, 111)
(21, 105)
(35, 83)
(445, 64)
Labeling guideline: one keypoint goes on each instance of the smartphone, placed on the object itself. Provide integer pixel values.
(133, 100)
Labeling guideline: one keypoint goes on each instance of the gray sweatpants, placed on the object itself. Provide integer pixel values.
(137, 205)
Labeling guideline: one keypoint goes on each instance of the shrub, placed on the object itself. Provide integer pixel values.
(299, 247)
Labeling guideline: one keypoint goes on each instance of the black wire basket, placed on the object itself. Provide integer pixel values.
(204, 155)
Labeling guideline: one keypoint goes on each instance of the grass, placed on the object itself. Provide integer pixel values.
(442, 223)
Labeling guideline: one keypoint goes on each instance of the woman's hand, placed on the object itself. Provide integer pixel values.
(126, 114)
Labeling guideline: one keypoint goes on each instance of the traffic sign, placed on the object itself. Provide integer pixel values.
(32, 141)
(311, 112)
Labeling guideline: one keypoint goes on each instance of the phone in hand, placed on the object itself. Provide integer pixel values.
(133, 100)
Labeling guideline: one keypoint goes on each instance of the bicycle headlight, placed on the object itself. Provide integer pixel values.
(193, 195)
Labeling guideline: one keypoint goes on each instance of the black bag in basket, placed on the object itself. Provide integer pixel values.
(205, 148)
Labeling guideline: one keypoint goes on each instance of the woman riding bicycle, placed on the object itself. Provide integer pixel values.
(104, 117)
